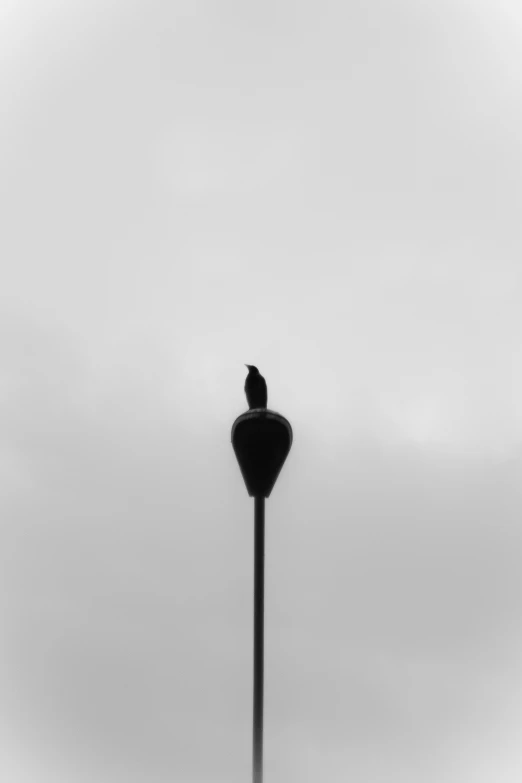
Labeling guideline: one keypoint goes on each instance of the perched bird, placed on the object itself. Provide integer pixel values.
(255, 388)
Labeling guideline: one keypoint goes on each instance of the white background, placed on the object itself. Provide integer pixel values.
(328, 190)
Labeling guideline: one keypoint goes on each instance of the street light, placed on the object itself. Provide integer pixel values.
(261, 439)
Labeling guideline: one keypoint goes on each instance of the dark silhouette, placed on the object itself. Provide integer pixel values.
(255, 388)
(261, 440)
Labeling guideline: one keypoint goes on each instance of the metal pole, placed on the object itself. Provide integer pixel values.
(259, 601)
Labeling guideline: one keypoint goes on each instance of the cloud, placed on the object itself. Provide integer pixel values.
(332, 196)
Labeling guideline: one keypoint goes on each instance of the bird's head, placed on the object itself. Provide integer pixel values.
(252, 369)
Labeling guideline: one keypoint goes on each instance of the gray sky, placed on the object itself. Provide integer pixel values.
(330, 191)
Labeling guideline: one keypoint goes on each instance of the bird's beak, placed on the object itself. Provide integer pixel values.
(247, 365)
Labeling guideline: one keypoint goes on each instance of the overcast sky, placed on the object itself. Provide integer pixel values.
(331, 191)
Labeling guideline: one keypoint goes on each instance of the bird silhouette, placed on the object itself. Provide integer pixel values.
(255, 388)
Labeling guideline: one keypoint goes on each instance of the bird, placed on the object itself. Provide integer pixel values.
(255, 388)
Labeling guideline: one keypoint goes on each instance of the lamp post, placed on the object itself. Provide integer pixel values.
(261, 439)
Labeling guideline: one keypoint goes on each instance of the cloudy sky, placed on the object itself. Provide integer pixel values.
(331, 191)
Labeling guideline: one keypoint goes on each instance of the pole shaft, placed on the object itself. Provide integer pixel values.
(259, 601)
